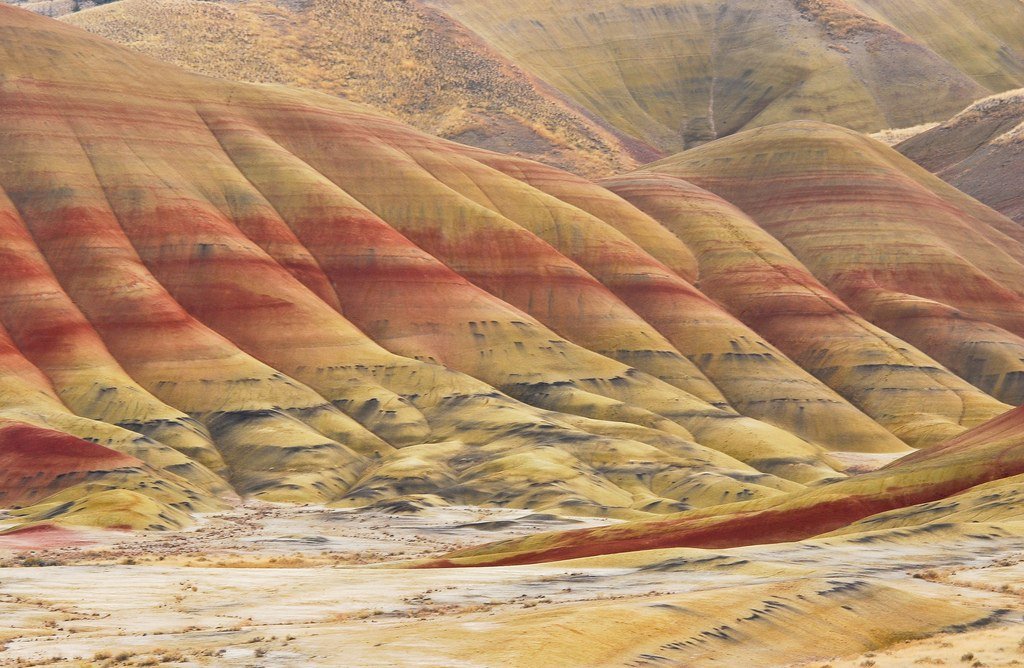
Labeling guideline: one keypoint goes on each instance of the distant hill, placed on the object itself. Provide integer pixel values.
(676, 73)
(598, 86)
(399, 57)
(980, 151)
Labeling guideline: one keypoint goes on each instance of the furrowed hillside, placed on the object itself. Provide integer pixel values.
(676, 73)
(972, 479)
(980, 151)
(280, 370)
(399, 57)
(596, 87)
(211, 289)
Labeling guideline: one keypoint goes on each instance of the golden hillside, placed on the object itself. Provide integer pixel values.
(592, 86)
(675, 73)
(276, 293)
(407, 60)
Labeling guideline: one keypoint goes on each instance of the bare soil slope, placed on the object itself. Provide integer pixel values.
(400, 57)
(980, 151)
(676, 73)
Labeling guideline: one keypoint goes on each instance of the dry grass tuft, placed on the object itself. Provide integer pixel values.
(839, 19)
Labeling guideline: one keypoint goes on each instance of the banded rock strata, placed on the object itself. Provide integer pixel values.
(974, 478)
(211, 289)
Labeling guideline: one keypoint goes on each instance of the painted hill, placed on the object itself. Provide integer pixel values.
(980, 151)
(676, 73)
(797, 184)
(882, 234)
(210, 288)
(975, 477)
(400, 57)
(568, 82)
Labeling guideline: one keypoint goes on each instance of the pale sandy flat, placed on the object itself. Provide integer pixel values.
(267, 585)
